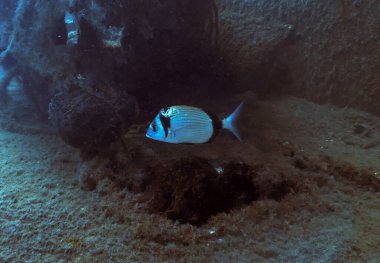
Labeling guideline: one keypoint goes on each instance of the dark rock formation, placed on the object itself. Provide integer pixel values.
(91, 121)
(122, 44)
(124, 49)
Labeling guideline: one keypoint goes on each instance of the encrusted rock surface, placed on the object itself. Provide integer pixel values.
(334, 55)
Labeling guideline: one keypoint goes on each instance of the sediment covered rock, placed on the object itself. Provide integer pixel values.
(334, 55)
(194, 189)
(90, 121)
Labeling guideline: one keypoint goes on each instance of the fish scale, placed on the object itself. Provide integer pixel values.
(191, 124)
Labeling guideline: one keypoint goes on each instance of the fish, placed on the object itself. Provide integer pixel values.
(72, 27)
(190, 125)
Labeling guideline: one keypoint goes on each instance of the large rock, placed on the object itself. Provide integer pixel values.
(91, 121)
(335, 54)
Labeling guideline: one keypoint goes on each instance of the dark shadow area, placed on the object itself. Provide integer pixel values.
(192, 190)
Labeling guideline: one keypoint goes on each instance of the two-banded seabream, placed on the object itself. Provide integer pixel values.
(187, 124)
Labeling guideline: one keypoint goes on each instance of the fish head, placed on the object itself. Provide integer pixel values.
(156, 130)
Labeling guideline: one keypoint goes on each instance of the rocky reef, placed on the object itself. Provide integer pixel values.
(132, 53)
(98, 60)
(97, 69)
(332, 56)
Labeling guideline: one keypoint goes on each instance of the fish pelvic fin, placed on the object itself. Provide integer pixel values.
(229, 123)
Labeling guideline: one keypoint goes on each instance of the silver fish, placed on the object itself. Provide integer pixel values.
(72, 27)
(186, 124)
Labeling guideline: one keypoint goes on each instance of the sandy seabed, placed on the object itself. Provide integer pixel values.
(333, 216)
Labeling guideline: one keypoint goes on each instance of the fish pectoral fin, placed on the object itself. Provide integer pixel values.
(174, 132)
(171, 133)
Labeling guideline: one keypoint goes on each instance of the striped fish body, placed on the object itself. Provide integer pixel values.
(186, 124)
(189, 125)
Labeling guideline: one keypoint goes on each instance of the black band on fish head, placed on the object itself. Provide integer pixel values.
(165, 123)
(154, 126)
(165, 112)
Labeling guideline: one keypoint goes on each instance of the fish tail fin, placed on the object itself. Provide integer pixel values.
(229, 123)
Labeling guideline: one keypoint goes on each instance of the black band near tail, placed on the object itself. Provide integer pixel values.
(217, 125)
